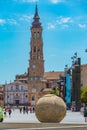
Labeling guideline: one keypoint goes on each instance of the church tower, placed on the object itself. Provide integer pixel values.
(36, 62)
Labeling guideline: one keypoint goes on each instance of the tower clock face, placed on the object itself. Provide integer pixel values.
(33, 66)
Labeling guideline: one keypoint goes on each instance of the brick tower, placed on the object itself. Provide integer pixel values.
(36, 62)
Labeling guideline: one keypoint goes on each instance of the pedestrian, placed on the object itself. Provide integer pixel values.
(20, 109)
(24, 109)
(30, 109)
(5, 112)
(33, 109)
(82, 110)
(9, 112)
(85, 113)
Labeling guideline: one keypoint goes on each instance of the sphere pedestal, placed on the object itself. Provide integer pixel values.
(50, 108)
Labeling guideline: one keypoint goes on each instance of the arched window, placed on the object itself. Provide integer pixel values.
(34, 48)
(38, 35)
(38, 50)
(34, 89)
(33, 98)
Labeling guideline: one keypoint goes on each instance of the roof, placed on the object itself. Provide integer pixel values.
(53, 75)
(17, 83)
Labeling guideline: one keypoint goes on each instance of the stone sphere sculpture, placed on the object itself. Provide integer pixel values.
(50, 109)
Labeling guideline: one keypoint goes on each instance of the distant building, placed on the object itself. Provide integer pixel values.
(1, 96)
(16, 93)
(84, 75)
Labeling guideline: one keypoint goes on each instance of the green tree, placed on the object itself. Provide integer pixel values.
(84, 94)
(55, 90)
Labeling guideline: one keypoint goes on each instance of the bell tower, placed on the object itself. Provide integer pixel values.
(36, 62)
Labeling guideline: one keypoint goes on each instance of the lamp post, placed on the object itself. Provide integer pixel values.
(76, 82)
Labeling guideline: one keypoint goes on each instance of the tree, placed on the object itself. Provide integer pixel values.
(84, 94)
(55, 90)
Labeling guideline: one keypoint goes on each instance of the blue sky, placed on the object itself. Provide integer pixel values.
(64, 33)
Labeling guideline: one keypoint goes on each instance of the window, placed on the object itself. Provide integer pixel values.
(38, 50)
(33, 98)
(35, 49)
(21, 87)
(34, 89)
(17, 88)
(11, 87)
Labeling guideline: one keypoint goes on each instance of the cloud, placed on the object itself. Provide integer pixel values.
(26, 18)
(12, 22)
(65, 26)
(2, 21)
(64, 20)
(51, 26)
(8, 21)
(56, 1)
(28, 1)
(83, 26)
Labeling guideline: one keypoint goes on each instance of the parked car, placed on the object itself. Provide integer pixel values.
(1, 115)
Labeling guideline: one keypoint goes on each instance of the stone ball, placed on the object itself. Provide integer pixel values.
(50, 108)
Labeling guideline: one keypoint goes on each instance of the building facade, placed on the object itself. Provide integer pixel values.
(84, 75)
(1, 96)
(15, 93)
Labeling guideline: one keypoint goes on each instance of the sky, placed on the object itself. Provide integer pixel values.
(64, 25)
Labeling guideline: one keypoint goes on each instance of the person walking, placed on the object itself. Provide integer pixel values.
(9, 111)
(24, 110)
(85, 113)
(30, 109)
(20, 109)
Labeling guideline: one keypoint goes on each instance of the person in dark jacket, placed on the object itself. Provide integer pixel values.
(85, 113)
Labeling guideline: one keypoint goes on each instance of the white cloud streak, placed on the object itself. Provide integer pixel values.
(2, 21)
(83, 26)
(64, 20)
(56, 1)
(8, 21)
(12, 22)
(50, 26)
(26, 18)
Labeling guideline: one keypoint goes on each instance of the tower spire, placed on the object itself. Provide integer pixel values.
(36, 12)
(36, 23)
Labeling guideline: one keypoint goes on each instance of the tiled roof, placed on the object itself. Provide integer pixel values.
(53, 75)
